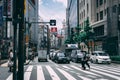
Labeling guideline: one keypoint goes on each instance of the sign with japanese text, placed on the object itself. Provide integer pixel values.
(54, 29)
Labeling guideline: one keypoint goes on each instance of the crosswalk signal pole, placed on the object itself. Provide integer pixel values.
(15, 13)
(20, 74)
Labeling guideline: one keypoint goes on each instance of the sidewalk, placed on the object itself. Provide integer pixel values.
(3, 61)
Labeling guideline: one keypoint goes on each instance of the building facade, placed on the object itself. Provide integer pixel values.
(103, 18)
(105, 25)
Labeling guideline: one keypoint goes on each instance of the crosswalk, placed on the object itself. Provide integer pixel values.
(70, 72)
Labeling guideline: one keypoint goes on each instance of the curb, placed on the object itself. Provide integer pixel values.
(118, 62)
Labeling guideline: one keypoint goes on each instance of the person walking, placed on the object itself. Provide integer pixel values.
(10, 60)
(85, 60)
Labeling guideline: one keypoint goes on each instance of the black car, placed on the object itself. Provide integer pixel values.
(60, 57)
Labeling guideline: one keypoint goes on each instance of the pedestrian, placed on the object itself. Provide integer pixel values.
(10, 64)
(85, 60)
(11, 55)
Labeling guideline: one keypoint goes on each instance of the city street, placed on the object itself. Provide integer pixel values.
(52, 71)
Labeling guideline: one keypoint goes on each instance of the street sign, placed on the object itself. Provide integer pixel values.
(52, 22)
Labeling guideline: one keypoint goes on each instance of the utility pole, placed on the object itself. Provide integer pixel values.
(15, 14)
(48, 40)
(21, 41)
(77, 13)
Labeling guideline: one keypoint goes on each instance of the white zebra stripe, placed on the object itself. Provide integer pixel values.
(40, 75)
(108, 68)
(107, 74)
(67, 67)
(53, 75)
(67, 75)
(10, 77)
(105, 70)
(84, 78)
(28, 73)
(85, 71)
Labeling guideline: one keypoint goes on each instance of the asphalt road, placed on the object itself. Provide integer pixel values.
(52, 71)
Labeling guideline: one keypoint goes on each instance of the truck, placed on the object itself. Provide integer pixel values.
(42, 55)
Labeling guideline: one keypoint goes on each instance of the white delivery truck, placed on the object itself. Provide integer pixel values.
(42, 55)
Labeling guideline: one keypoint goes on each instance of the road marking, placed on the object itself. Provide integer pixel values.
(67, 75)
(106, 71)
(53, 75)
(107, 74)
(108, 68)
(85, 71)
(67, 67)
(10, 77)
(27, 73)
(84, 78)
(40, 75)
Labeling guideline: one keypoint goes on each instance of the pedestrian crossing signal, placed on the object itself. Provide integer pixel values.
(52, 22)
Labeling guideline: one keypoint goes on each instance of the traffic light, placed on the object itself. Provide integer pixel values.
(52, 22)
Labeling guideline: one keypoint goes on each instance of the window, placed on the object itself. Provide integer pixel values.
(87, 8)
(114, 8)
(99, 31)
(96, 3)
(101, 2)
(101, 15)
(84, 13)
(105, 11)
(97, 17)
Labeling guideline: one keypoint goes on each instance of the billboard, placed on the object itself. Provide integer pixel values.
(1, 21)
(53, 29)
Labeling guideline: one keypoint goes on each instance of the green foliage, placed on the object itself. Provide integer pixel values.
(67, 41)
(115, 58)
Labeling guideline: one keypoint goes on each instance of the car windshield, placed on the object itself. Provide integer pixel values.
(102, 54)
(61, 54)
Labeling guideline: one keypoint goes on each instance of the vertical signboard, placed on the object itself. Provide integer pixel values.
(54, 29)
(1, 16)
(9, 6)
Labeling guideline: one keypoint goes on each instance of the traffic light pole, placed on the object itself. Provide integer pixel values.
(21, 41)
(15, 38)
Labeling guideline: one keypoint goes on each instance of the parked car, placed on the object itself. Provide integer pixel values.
(100, 57)
(51, 53)
(60, 57)
(76, 55)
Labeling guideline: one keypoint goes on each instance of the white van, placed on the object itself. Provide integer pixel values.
(100, 57)
(42, 55)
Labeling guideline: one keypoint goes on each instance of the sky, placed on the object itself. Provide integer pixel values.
(53, 9)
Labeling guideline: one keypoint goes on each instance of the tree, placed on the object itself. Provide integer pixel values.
(87, 34)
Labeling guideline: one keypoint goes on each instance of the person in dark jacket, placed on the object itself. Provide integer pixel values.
(85, 60)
